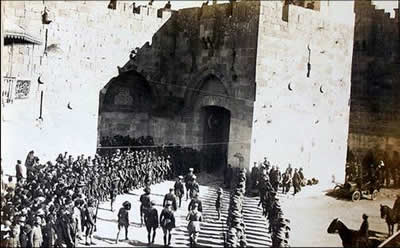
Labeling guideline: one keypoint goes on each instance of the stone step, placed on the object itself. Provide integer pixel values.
(212, 231)
(256, 224)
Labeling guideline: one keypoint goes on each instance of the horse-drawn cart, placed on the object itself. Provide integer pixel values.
(357, 190)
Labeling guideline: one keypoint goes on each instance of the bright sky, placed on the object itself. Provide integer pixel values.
(387, 5)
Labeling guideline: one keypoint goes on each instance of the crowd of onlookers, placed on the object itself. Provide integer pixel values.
(55, 203)
(291, 177)
(374, 166)
(379, 173)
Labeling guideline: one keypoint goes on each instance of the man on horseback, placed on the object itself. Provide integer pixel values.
(396, 210)
(396, 205)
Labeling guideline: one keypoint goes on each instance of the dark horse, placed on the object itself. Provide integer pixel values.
(351, 238)
(391, 218)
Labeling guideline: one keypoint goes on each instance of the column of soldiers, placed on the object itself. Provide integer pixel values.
(181, 157)
(236, 228)
(56, 203)
(267, 184)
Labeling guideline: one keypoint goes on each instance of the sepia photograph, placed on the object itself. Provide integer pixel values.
(197, 123)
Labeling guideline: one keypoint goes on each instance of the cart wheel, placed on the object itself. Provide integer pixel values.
(374, 194)
(356, 196)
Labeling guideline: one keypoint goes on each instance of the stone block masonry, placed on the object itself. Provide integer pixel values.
(375, 92)
(303, 77)
(259, 77)
(85, 42)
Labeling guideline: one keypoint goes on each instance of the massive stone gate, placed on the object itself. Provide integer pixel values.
(272, 77)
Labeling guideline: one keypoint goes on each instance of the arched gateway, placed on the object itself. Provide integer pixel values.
(201, 117)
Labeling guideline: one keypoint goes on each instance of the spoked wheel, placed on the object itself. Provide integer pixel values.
(374, 194)
(356, 196)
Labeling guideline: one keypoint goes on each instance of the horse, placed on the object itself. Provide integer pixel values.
(351, 238)
(391, 218)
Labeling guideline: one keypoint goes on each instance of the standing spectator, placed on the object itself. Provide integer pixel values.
(5, 234)
(167, 222)
(77, 217)
(396, 206)
(36, 237)
(123, 219)
(302, 178)
(218, 203)
(30, 160)
(296, 182)
(364, 226)
(90, 217)
(25, 236)
(286, 182)
(49, 234)
(15, 233)
(19, 171)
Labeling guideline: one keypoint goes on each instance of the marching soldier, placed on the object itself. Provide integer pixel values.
(189, 182)
(194, 188)
(171, 198)
(195, 201)
(179, 189)
(195, 218)
(151, 221)
(145, 203)
(167, 222)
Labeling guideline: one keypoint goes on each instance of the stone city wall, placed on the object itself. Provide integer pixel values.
(85, 42)
(375, 103)
(301, 113)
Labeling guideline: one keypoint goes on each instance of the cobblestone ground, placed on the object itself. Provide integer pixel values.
(212, 231)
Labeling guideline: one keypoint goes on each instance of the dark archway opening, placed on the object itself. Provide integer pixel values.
(216, 125)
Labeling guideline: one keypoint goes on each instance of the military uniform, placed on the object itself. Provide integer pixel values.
(179, 190)
(151, 221)
(145, 204)
(167, 222)
(193, 202)
(171, 198)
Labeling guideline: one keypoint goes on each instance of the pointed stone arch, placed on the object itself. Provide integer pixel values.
(198, 81)
(130, 79)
